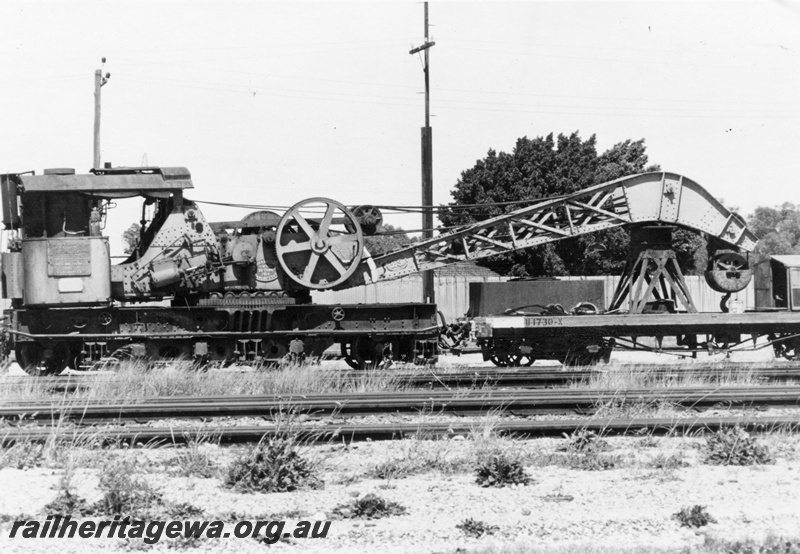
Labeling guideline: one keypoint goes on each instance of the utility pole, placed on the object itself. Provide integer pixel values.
(99, 81)
(428, 294)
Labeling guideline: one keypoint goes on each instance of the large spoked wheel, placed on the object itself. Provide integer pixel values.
(43, 359)
(729, 261)
(319, 243)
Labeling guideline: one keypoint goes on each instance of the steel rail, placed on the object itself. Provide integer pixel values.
(789, 391)
(499, 377)
(460, 403)
(180, 434)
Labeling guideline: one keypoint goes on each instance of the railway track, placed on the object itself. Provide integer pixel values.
(520, 378)
(179, 434)
(464, 403)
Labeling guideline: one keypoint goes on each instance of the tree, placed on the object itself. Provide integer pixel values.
(131, 237)
(544, 167)
(777, 230)
(390, 238)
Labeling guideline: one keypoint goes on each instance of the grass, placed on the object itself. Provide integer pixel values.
(425, 453)
(195, 460)
(61, 445)
(616, 376)
(421, 454)
(134, 381)
(772, 544)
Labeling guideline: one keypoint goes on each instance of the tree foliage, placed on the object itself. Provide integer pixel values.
(390, 238)
(130, 238)
(545, 167)
(777, 230)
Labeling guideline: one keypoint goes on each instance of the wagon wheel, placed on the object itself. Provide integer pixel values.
(319, 253)
(512, 360)
(347, 354)
(371, 354)
(44, 359)
(526, 360)
(500, 360)
(577, 359)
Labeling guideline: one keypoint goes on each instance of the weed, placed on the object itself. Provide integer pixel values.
(770, 545)
(392, 469)
(421, 456)
(369, 506)
(592, 461)
(345, 479)
(668, 462)
(123, 492)
(182, 510)
(735, 446)
(195, 461)
(558, 497)
(22, 455)
(68, 502)
(273, 465)
(646, 440)
(582, 441)
(501, 470)
(585, 450)
(696, 516)
(185, 543)
(476, 528)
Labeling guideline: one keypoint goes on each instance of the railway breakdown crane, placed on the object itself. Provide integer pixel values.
(240, 290)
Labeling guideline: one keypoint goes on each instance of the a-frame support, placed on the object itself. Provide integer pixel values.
(652, 276)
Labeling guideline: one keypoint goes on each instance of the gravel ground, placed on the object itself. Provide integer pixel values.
(628, 508)
(563, 509)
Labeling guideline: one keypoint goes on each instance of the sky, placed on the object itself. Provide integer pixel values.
(271, 103)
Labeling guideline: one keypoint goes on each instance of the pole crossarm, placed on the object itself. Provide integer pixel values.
(657, 197)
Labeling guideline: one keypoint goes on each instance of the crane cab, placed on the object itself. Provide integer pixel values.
(56, 252)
